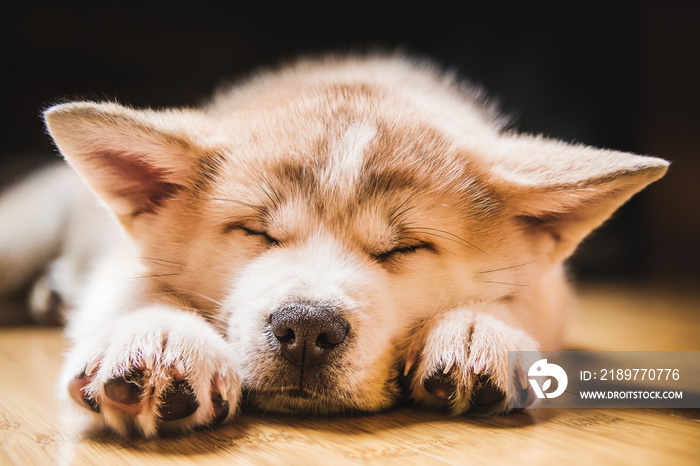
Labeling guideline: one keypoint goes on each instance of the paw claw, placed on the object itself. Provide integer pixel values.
(92, 367)
(410, 362)
(221, 409)
(221, 387)
(448, 366)
(143, 363)
(177, 370)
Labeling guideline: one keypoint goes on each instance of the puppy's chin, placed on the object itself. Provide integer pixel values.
(295, 401)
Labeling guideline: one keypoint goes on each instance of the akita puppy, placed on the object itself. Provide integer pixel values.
(325, 238)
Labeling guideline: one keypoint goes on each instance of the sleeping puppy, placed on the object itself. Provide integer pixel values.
(313, 239)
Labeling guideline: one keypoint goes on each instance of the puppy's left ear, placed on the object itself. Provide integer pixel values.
(565, 191)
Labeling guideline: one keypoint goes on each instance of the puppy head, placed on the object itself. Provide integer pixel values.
(316, 228)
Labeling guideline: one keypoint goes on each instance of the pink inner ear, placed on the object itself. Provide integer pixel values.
(128, 178)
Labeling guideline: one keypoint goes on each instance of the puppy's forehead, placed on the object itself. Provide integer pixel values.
(363, 158)
(346, 156)
(340, 157)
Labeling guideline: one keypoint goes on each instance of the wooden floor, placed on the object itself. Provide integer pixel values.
(611, 317)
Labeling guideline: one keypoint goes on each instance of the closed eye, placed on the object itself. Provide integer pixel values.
(399, 251)
(252, 232)
(263, 234)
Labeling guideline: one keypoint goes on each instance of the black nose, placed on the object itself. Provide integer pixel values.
(308, 334)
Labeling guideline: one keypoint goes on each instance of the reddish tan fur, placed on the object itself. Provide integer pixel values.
(301, 184)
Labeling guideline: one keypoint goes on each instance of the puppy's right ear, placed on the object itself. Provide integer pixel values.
(133, 160)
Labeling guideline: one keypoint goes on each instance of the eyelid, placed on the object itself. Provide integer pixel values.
(264, 234)
(402, 249)
(251, 232)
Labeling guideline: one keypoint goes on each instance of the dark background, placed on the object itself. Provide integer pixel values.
(621, 75)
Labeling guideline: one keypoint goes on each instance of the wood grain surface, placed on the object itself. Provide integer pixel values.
(33, 430)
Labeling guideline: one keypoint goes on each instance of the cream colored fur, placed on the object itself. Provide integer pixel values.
(375, 185)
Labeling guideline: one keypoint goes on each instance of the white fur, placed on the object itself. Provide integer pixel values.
(374, 186)
(348, 154)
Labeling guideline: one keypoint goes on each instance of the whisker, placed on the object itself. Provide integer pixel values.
(504, 283)
(443, 237)
(445, 250)
(274, 191)
(182, 306)
(508, 268)
(155, 275)
(274, 204)
(442, 300)
(188, 201)
(163, 261)
(215, 319)
(454, 238)
(194, 293)
(395, 214)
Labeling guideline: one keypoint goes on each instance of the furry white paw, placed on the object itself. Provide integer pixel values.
(154, 370)
(459, 360)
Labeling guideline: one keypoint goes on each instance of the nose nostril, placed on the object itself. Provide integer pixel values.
(324, 342)
(285, 336)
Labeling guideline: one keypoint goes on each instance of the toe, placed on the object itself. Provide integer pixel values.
(486, 398)
(527, 397)
(440, 386)
(178, 401)
(76, 390)
(125, 392)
